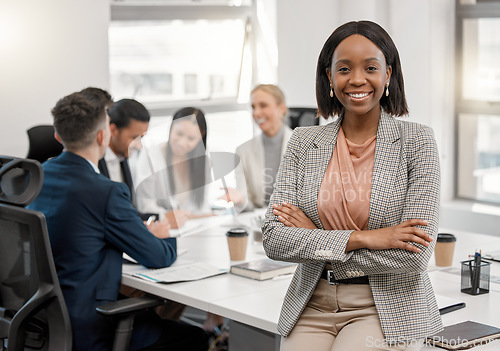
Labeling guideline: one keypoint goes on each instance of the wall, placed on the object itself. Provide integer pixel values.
(47, 49)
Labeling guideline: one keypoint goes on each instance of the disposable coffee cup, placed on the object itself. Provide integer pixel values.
(237, 242)
(443, 252)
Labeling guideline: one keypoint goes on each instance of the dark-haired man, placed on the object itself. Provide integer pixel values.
(129, 120)
(91, 222)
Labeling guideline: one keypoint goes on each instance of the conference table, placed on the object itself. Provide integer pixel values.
(252, 307)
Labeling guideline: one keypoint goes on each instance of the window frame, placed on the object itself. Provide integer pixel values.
(478, 10)
(135, 11)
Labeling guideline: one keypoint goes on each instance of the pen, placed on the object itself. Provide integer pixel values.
(477, 261)
(150, 220)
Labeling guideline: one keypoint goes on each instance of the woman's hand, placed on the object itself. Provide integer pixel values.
(233, 195)
(292, 216)
(201, 215)
(177, 218)
(395, 237)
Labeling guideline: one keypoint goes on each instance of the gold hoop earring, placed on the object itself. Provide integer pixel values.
(387, 90)
(331, 91)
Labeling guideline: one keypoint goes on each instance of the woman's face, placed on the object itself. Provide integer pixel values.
(184, 136)
(358, 75)
(267, 113)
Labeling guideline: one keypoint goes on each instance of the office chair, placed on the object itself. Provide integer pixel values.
(42, 144)
(33, 314)
(302, 117)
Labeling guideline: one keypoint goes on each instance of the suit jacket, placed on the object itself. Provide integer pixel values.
(91, 222)
(128, 180)
(250, 177)
(405, 185)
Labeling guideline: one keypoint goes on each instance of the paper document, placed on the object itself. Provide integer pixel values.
(194, 226)
(129, 259)
(180, 273)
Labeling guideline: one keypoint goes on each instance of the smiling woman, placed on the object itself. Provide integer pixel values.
(356, 204)
(260, 157)
(378, 56)
(360, 77)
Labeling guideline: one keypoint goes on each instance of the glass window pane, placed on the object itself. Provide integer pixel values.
(190, 84)
(479, 161)
(175, 60)
(481, 55)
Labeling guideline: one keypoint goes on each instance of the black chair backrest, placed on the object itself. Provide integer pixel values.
(42, 144)
(33, 314)
(302, 117)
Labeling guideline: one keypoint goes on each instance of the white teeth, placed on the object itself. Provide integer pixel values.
(260, 121)
(359, 95)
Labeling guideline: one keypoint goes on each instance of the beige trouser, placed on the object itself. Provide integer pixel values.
(340, 318)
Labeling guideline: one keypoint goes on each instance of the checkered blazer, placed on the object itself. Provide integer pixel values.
(405, 185)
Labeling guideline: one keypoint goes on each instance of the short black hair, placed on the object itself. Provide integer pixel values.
(395, 103)
(125, 110)
(77, 120)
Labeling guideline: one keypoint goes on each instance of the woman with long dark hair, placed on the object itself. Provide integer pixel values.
(179, 176)
(180, 189)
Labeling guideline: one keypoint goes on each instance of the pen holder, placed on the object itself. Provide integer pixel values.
(475, 278)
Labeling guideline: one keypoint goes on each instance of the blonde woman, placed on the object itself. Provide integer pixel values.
(260, 157)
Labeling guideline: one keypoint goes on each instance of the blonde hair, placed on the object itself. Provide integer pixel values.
(272, 90)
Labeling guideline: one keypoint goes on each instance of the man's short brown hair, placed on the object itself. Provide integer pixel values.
(77, 120)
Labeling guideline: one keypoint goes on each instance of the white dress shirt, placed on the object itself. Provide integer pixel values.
(113, 165)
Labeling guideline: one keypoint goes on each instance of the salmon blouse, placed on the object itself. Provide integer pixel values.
(344, 195)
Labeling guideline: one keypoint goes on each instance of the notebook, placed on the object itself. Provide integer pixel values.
(263, 269)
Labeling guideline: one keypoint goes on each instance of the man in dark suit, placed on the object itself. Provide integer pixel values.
(129, 120)
(91, 222)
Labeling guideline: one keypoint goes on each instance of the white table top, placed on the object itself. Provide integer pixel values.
(258, 303)
(237, 298)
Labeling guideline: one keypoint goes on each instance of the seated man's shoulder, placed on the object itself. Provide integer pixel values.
(111, 187)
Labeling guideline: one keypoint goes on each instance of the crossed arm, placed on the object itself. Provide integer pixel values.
(401, 246)
(394, 237)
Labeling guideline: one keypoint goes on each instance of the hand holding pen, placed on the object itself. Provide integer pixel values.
(160, 229)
